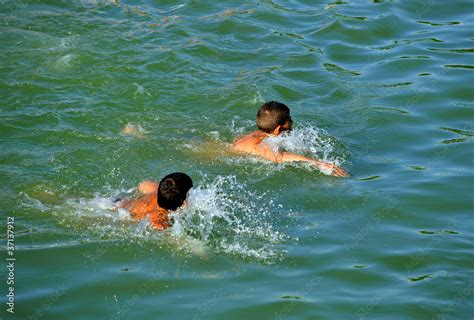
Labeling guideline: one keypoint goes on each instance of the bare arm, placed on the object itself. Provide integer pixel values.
(324, 166)
(280, 157)
(254, 144)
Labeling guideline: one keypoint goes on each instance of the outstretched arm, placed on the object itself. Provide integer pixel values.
(324, 166)
(280, 157)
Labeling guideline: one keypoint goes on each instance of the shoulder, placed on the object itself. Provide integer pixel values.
(148, 186)
(248, 141)
(143, 205)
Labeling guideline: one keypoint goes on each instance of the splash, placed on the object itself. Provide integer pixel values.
(98, 216)
(229, 218)
(223, 216)
(310, 141)
(304, 140)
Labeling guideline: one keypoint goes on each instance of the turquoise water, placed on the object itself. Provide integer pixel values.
(99, 95)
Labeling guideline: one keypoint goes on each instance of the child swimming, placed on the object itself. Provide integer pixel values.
(273, 118)
(156, 200)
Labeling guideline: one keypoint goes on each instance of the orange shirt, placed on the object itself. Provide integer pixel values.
(147, 204)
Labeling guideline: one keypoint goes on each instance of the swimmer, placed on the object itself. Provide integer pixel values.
(157, 200)
(273, 118)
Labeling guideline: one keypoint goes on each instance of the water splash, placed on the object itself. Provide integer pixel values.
(304, 139)
(228, 217)
(310, 141)
(223, 216)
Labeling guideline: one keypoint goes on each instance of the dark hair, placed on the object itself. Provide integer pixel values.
(173, 190)
(271, 115)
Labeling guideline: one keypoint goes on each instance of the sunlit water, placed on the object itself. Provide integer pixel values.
(99, 95)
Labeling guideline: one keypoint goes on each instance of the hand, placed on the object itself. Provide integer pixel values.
(332, 169)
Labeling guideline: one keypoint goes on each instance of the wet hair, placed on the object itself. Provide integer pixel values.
(173, 190)
(271, 115)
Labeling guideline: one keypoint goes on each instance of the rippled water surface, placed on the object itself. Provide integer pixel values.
(99, 95)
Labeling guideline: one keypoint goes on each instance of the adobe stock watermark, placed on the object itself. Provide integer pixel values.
(288, 307)
(10, 265)
(47, 303)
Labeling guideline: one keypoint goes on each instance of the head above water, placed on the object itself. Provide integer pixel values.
(274, 117)
(173, 190)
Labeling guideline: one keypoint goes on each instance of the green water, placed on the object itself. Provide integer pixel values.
(383, 87)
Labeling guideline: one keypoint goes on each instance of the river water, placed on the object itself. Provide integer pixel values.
(99, 95)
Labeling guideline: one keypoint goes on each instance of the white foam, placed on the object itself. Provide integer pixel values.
(100, 203)
(225, 215)
(30, 202)
(304, 139)
(307, 140)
